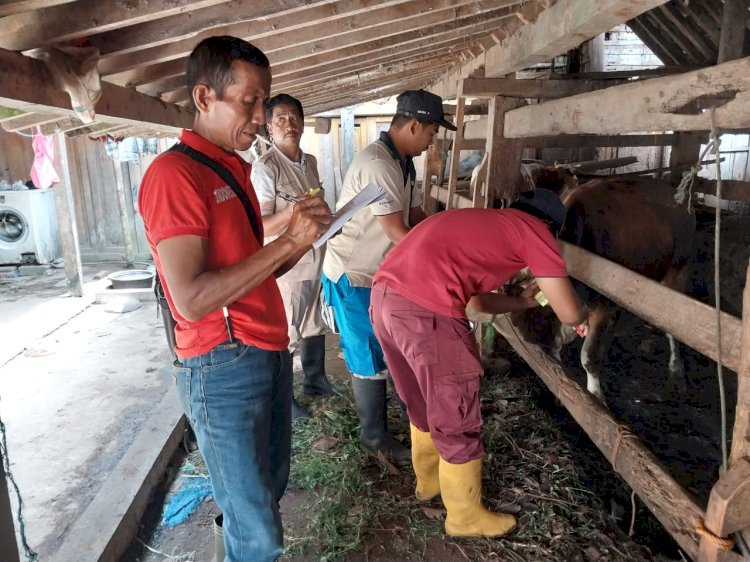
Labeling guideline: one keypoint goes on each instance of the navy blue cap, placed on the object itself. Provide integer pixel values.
(423, 105)
(543, 204)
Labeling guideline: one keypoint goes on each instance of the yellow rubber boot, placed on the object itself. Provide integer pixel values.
(461, 488)
(424, 458)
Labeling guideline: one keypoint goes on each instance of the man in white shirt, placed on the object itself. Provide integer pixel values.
(281, 175)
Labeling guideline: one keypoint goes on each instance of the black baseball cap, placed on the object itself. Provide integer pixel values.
(423, 105)
(543, 204)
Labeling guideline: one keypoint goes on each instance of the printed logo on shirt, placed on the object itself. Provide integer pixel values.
(223, 194)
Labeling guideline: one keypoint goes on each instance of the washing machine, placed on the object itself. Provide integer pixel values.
(28, 227)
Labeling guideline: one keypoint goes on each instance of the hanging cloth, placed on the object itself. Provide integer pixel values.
(42, 171)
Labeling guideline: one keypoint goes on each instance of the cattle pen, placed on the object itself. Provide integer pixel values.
(522, 79)
(686, 106)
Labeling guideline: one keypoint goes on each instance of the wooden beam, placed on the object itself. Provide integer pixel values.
(347, 139)
(656, 41)
(728, 510)
(696, 39)
(669, 26)
(342, 73)
(372, 87)
(8, 545)
(245, 18)
(690, 321)
(145, 44)
(54, 24)
(628, 74)
(28, 86)
(504, 155)
(534, 88)
(458, 201)
(741, 433)
(455, 152)
(126, 211)
(66, 220)
(9, 7)
(290, 60)
(733, 26)
(373, 93)
(595, 141)
(637, 465)
(313, 28)
(557, 29)
(674, 103)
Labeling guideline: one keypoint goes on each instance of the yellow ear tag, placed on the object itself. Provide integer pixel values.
(314, 191)
(541, 299)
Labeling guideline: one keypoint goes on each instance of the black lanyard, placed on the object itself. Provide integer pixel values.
(231, 181)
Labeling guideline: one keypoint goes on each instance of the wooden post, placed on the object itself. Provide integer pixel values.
(347, 139)
(66, 220)
(325, 144)
(433, 163)
(8, 545)
(127, 213)
(741, 432)
(638, 466)
(456, 150)
(504, 155)
(732, 40)
(728, 511)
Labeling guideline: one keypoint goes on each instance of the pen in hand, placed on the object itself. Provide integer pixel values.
(293, 199)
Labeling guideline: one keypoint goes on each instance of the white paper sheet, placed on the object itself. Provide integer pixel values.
(371, 193)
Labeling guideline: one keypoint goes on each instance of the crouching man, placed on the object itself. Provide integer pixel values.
(451, 261)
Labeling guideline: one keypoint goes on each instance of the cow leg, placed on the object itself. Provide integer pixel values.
(677, 279)
(676, 364)
(594, 349)
(563, 336)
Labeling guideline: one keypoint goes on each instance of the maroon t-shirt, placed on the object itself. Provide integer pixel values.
(454, 255)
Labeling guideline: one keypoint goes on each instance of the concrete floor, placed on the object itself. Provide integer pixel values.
(77, 383)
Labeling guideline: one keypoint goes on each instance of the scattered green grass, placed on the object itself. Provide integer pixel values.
(353, 508)
(531, 469)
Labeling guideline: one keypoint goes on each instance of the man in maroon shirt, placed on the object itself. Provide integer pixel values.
(451, 261)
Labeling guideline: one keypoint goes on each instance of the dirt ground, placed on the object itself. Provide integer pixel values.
(418, 538)
(76, 383)
(679, 422)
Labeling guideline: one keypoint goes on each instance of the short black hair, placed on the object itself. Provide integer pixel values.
(283, 99)
(211, 61)
(399, 120)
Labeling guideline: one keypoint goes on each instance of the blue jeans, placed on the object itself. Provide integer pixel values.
(239, 401)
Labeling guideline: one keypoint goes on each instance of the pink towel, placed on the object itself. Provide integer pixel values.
(42, 171)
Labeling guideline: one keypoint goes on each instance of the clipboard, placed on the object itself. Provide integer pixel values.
(371, 193)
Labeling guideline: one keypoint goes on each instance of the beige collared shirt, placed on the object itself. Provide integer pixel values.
(273, 173)
(362, 244)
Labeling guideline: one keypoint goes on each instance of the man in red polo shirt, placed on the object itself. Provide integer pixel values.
(234, 373)
(448, 262)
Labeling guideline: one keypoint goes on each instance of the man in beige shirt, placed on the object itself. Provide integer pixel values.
(282, 174)
(354, 255)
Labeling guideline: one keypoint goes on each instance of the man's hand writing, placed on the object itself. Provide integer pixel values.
(310, 218)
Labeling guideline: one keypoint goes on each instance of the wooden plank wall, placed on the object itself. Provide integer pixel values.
(16, 157)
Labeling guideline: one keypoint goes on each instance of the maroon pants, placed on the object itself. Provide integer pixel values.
(435, 365)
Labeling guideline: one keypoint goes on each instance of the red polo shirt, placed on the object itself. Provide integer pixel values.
(179, 196)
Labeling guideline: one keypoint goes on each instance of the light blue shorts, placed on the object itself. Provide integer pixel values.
(351, 309)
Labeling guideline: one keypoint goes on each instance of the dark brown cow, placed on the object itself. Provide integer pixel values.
(636, 223)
